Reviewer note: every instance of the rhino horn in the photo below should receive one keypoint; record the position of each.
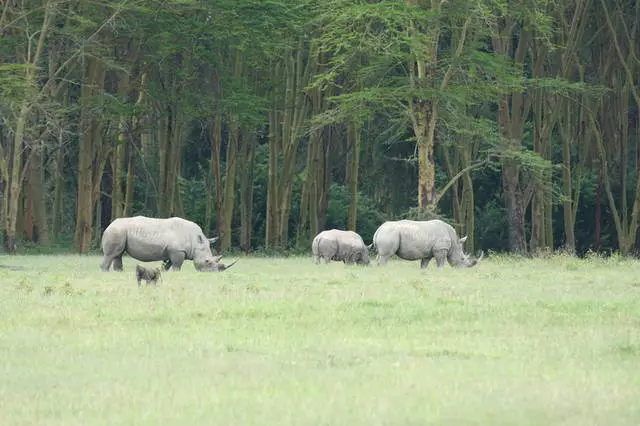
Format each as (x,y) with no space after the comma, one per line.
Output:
(480,257)
(463,239)
(222,266)
(216,259)
(369,246)
(213,240)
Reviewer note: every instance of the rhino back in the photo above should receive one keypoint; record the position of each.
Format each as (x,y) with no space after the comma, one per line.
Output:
(342,244)
(419,239)
(148,238)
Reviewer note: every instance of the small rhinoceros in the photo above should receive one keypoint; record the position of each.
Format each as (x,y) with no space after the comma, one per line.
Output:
(172,240)
(336,244)
(413,240)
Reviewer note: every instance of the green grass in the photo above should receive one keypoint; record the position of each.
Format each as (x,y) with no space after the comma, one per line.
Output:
(551,341)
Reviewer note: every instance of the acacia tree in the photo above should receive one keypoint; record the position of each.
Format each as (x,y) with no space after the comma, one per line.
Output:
(421,64)
(618,68)
(30,30)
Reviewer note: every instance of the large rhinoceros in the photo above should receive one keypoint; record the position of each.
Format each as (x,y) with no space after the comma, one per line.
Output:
(336,244)
(172,240)
(413,240)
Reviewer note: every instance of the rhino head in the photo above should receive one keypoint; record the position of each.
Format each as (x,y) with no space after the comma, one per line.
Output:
(365,256)
(459,258)
(203,258)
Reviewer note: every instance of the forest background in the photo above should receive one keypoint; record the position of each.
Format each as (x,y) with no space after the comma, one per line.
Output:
(267,121)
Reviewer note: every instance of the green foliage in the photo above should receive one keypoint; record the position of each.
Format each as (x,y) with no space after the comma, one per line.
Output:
(369,216)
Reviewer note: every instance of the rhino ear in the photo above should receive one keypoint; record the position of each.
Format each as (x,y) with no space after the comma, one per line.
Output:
(463,239)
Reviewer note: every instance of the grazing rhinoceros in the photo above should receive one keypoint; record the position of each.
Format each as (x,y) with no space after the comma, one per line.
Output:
(148,239)
(335,244)
(413,240)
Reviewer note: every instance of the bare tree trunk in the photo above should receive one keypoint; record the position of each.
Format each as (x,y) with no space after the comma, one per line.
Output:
(272,214)
(598,212)
(36,226)
(215,137)
(58,187)
(312,197)
(90,144)
(173,185)
(128,199)
(353,166)
(13,163)
(228,202)
(117,162)
(513,110)
(164,146)
(246,190)
(289,111)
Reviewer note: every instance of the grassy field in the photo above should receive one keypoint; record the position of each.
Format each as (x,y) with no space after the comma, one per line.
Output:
(285,342)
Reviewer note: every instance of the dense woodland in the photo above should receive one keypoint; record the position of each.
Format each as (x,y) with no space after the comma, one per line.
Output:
(267,121)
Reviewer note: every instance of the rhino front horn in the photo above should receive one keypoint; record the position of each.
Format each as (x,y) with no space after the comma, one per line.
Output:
(480,257)
(213,240)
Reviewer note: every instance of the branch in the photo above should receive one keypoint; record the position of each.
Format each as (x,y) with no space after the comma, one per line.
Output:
(628,71)
(459,175)
(459,48)
(80,50)
(605,176)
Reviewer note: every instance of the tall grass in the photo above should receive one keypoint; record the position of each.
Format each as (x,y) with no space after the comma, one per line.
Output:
(288,342)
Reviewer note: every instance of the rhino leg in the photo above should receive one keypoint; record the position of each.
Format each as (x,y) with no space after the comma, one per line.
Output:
(106,263)
(382,260)
(425,262)
(316,259)
(441,257)
(177,258)
(117,263)
(108,260)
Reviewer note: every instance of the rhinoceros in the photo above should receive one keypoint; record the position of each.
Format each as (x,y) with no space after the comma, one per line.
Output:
(336,244)
(413,240)
(172,240)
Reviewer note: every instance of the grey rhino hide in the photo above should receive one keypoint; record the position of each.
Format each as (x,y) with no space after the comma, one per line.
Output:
(422,240)
(339,245)
(172,241)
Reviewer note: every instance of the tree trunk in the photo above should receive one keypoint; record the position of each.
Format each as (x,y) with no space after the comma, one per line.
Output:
(128,199)
(36,227)
(164,146)
(175,170)
(570,238)
(229,199)
(598,212)
(515,206)
(290,109)
(13,163)
(246,190)
(90,143)
(513,110)
(58,172)
(117,162)
(215,138)
(353,166)
(313,196)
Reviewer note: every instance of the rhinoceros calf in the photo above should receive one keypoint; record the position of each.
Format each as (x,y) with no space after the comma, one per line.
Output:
(335,244)
(146,239)
(424,240)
